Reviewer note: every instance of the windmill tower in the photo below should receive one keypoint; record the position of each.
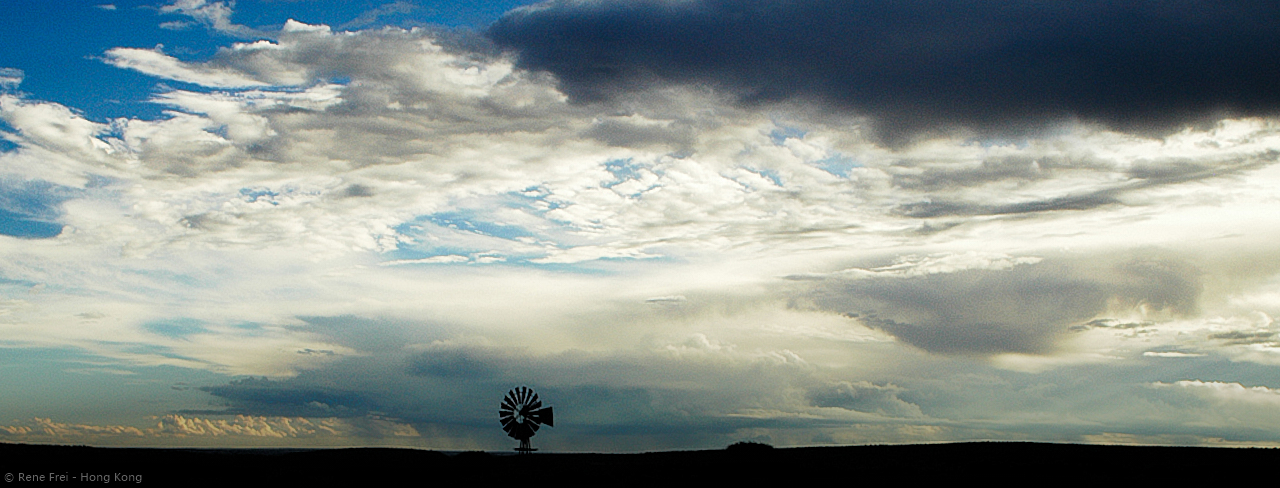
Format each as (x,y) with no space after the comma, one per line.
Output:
(521,413)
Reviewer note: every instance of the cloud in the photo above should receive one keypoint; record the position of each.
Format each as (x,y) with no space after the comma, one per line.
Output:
(215,15)
(1027,168)
(176,25)
(911,265)
(452,384)
(10,78)
(266,397)
(864,397)
(1236,337)
(443,361)
(371,16)
(381,155)
(32,208)
(1226,392)
(675,299)
(1224,409)
(1025,308)
(156,63)
(404,224)
(1012,67)
(453,152)
(1171,354)
(1146,175)
(175,427)
(445,259)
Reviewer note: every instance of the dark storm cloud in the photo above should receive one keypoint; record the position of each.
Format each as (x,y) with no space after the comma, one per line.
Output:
(1025,309)
(1010,67)
(472,401)
(256,396)
(458,363)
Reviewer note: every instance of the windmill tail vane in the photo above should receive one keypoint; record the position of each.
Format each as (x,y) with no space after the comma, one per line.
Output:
(522,414)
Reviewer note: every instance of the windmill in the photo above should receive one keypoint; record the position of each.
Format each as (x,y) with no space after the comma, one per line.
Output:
(521,414)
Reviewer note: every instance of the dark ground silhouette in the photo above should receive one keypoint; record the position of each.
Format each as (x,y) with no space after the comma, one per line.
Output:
(990,462)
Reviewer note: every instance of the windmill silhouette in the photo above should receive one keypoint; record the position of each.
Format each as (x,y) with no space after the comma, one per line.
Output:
(521,413)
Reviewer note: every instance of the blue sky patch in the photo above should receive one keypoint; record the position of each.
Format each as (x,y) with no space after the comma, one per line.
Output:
(533,199)
(5,144)
(469,221)
(625,170)
(768,173)
(839,165)
(57,381)
(153,349)
(622,170)
(30,208)
(428,252)
(16,225)
(175,328)
(259,194)
(34,198)
(780,134)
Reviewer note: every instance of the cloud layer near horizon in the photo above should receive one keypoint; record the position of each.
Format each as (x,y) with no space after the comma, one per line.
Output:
(391,225)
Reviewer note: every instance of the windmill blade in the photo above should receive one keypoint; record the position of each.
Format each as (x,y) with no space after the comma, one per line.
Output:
(513,429)
(543,416)
(521,431)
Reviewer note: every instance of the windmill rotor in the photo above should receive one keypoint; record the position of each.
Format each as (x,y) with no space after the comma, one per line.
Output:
(522,414)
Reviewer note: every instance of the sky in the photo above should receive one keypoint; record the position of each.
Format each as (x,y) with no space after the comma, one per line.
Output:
(684,223)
